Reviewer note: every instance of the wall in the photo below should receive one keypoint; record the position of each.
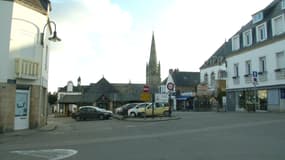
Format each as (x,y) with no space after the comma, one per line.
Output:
(269,52)
(5,16)
(7,106)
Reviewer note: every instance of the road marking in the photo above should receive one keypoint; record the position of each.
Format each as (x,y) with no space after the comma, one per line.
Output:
(49,154)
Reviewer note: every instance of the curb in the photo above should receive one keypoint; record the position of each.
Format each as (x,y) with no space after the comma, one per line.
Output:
(148,119)
(48,128)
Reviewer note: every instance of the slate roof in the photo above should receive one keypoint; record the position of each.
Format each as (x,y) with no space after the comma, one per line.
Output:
(113,92)
(185,78)
(70,99)
(37,5)
(219,57)
(269,12)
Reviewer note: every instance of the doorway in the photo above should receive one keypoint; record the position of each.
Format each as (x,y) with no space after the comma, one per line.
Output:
(22,107)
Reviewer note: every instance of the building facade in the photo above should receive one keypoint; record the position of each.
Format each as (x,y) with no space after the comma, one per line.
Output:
(153,78)
(254,61)
(23,64)
(256,66)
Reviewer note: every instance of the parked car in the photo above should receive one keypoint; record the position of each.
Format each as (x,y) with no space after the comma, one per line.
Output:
(91,112)
(123,110)
(159,109)
(133,112)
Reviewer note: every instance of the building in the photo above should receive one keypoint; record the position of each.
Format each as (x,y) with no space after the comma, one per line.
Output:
(256,66)
(182,86)
(102,94)
(253,59)
(24,60)
(153,79)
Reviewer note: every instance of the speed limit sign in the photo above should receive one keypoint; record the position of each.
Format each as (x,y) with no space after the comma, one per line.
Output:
(170,86)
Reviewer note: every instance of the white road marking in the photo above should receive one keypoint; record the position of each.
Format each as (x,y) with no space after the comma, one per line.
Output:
(49,154)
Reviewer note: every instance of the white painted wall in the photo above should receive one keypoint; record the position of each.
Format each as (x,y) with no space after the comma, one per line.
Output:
(269,52)
(5,18)
(213,69)
(22,28)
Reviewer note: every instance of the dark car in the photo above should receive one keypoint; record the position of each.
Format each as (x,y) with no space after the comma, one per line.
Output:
(91,112)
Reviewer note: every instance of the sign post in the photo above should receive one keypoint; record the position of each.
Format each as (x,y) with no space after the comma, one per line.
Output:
(254,81)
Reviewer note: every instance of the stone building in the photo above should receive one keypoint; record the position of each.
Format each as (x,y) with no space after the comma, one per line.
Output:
(24,59)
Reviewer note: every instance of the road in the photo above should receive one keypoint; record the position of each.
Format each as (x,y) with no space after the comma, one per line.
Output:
(197,136)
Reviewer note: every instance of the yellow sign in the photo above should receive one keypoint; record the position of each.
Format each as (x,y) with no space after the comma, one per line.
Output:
(145,96)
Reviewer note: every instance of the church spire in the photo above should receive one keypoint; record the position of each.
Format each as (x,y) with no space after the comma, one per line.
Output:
(152,58)
(153,69)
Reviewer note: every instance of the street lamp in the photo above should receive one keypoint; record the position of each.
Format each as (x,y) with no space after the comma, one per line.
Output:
(54,37)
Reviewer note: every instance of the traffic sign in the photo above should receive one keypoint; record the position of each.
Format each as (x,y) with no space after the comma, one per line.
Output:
(145,96)
(254,74)
(146,88)
(170,86)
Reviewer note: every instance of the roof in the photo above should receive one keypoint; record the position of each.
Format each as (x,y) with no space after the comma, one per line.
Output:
(185,78)
(70,99)
(270,11)
(218,57)
(113,92)
(37,5)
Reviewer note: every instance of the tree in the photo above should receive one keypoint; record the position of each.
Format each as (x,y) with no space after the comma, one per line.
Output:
(52,98)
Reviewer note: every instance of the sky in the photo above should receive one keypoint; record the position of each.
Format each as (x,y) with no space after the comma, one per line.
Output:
(112,38)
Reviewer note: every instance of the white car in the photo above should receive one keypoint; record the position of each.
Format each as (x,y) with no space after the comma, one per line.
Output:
(133,112)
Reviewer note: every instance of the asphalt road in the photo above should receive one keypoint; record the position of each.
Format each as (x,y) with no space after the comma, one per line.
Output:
(197,136)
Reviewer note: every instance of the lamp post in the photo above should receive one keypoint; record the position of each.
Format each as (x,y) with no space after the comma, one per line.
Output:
(54,37)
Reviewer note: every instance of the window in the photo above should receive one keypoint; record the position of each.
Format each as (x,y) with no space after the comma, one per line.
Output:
(235,43)
(247,38)
(257,17)
(248,67)
(280,60)
(261,33)
(213,79)
(262,64)
(278,25)
(206,78)
(236,71)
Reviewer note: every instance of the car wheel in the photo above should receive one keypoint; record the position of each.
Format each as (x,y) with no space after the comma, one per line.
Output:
(78,118)
(166,113)
(133,114)
(142,114)
(101,117)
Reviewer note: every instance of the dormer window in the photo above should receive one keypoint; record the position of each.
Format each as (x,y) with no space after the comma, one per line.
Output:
(278,25)
(283,4)
(257,17)
(261,32)
(247,38)
(235,43)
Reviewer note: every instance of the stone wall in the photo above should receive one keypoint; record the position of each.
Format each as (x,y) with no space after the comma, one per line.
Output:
(7,106)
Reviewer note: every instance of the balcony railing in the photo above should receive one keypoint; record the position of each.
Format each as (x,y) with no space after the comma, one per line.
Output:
(280,73)
(26,69)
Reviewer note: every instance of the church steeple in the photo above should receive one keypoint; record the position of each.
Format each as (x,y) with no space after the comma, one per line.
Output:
(153,68)
(152,58)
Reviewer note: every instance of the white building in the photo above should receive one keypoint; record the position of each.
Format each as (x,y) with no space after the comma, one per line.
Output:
(24,60)
(254,63)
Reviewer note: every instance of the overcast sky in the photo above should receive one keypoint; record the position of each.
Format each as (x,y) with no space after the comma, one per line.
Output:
(112,38)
